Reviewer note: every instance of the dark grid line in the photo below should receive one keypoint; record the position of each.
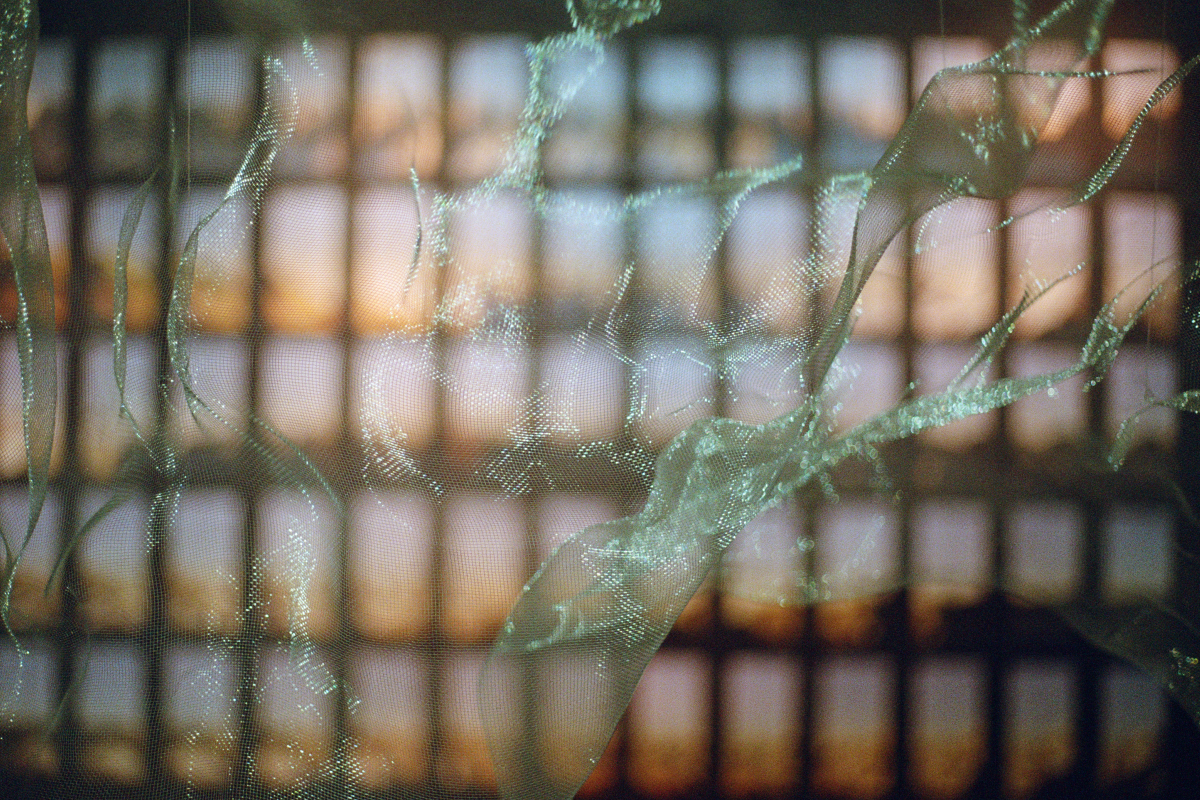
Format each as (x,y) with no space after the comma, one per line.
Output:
(161,482)
(439,648)
(344,629)
(248,738)
(66,733)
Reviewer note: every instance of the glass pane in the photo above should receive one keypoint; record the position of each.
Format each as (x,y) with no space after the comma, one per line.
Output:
(111,699)
(948,734)
(393,397)
(216,83)
(868,379)
(861,92)
(220,300)
(673,387)
(201,714)
(388,291)
(112,563)
(560,516)
(955,270)
(297,550)
(204,562)
(763,570)
(48,104)
(1045,551)
(583,244)
(1142,236)
(1139,552)
(295,715)
(936,366)
(125,102)
(390,549)
(489,264)
(668,720)
(105,214)
(769,96)
(467,763)
(1043,246)
(583,396)
(589,140)
(1143,64)
(676,89)
(31,605)
(390,719)
(485,564)
(488,79)
(766,247)
(317,146)
(219,370)
(761,724)
(304,254)
(1138,374)
(931,54)
(1133,714)
(1056,416)
(28,712)
(107,440)
(487,386)
(951,545)
(398,109)
(1040,744)
(853,737)
(302,367)
(857,551)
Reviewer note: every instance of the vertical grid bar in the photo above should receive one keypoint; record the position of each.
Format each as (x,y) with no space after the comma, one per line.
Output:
(437,640)
(994,608)
(718,636)
(153,636)
(344,638)
(627,500)
(530,681)
(995,615)
(66,734)
(900,614)
(244,783)
(1089,665)
(815,171)
(995,611)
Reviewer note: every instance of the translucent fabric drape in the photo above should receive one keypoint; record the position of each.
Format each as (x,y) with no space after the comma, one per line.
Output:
(565,663)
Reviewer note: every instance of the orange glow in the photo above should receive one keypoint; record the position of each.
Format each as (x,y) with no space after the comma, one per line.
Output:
(1146,64)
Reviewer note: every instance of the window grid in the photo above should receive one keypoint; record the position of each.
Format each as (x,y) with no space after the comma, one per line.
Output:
(718,641)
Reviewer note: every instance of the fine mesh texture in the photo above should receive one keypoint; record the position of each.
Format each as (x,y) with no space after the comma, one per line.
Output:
(462,315)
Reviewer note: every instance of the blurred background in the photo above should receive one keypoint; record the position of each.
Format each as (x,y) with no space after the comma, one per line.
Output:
(944,689)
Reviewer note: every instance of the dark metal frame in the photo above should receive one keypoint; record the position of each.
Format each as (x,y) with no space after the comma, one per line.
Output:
(998,474)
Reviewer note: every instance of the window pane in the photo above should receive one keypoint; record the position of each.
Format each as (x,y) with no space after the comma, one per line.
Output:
(397,107)
(853,737)
(390,549)
(1040,745)
(862,93)
(668,719)
(762,726)
(676,89)
(124,106)
(488,79)
(948,735)
(216,82)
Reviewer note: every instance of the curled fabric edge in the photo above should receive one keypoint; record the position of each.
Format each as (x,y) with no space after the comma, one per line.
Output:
(598,610)
(604,602)
(24,231)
